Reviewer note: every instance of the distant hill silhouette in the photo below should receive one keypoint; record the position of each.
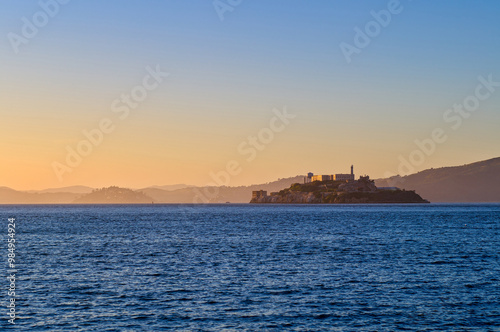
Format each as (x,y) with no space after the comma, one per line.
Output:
(477,182)
(72,189)
(114,195)
(158,194)
(241,194)
(11,196)
(170,187)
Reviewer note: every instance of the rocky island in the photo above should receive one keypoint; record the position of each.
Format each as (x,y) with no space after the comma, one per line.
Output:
(360,191)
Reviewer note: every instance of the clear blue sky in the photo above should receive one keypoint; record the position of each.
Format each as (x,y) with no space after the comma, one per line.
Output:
(226,77)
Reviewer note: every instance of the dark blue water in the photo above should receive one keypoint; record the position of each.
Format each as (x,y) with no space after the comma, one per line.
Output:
(246,267)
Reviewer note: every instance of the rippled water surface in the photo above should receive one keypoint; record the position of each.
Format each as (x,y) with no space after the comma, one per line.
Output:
(248,267)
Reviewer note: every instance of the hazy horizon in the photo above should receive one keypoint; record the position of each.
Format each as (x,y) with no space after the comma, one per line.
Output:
(214,182)
(157,93)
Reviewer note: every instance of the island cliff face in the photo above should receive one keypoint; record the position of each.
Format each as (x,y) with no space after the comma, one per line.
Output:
(338,192)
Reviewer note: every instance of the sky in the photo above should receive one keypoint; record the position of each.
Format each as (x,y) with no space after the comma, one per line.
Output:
(143,93)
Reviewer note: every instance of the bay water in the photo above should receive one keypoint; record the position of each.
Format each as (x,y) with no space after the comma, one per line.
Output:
(254,267)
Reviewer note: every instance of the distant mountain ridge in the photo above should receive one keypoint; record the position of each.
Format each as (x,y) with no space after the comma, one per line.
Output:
(185,194)
(170,187)
(71,189)
(114,195)
(241,194)
(476,182)
(11,196)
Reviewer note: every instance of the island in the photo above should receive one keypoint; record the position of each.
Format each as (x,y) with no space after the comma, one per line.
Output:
(331,191)
(114,195)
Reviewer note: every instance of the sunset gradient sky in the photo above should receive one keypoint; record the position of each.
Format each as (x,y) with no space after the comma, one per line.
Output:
(225,79)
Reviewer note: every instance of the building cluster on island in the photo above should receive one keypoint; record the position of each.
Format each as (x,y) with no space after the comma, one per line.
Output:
(364,184)
(334,177)
(337,188)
